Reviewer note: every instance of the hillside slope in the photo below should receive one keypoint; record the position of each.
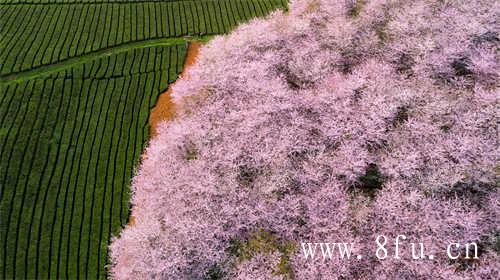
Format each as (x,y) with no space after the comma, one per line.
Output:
(78,79)
(337,122)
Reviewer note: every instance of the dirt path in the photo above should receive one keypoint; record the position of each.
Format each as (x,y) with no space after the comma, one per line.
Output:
(165,107)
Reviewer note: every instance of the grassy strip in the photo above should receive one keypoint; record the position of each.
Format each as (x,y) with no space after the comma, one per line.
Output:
(44,71)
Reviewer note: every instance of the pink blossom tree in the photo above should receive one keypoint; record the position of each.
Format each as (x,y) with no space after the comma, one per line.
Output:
(336,122)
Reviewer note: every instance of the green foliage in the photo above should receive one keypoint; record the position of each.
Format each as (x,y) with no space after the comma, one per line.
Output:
(265,242)
(214,273)
(355,8)
(190,150)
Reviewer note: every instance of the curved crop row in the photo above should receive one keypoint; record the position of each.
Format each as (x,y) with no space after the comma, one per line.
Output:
(42,2)
(36,35)
(69,143)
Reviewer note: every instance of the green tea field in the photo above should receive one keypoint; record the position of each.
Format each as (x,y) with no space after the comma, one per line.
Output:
(78,80)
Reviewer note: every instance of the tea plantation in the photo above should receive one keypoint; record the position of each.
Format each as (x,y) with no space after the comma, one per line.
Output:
(78,80)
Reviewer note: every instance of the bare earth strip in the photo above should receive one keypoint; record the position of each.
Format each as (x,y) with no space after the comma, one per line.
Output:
(165,108)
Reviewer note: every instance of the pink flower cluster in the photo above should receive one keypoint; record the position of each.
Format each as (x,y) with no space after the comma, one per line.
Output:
(337,121)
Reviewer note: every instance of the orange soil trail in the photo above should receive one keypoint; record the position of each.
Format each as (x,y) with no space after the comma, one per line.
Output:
(164,108)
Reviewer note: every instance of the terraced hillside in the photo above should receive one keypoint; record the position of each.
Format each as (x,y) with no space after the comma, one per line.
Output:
(70,142)
(77,82)
(38,33)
